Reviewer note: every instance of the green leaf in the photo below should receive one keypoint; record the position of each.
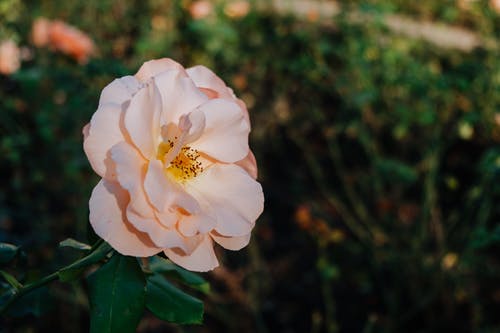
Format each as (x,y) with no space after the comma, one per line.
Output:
(70,242)
(158,264)
(117,295)
(11,280)
(73,271)
(169,303)
(7,252)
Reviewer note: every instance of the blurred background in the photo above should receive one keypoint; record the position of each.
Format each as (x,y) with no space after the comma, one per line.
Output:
(376,127)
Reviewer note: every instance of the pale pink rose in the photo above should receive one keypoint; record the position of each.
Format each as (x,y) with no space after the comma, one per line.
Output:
(40,32)
(466,4)
(237,9)
(200,9)
(171,146)
(495,5)
(10,56)
(71,41)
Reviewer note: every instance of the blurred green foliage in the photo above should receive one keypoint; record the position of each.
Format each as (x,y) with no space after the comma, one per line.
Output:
(379,156)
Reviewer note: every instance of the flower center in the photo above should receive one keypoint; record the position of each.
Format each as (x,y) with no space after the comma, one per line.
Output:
(182,167)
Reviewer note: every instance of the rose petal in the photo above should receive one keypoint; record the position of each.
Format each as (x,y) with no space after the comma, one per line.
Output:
(197,119)
(214,87)
(226,131)
(131,170)
(142,120)
(179,95)
(201,223)
(104,132)
(249,164)
(188,225)
(242,105)
(211,94)
(231,243)
(167,219)
(202,259)
(236,198)
(205,78)
(164,193)
(119,91)
(155,67)
(107,204)
(159,235)
(86,131)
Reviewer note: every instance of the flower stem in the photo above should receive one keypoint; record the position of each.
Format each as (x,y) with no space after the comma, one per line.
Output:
(27,288)
(47,279)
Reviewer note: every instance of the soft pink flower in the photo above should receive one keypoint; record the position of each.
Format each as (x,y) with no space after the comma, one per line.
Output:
(237,9)
(200,9)
(63,38)
(71,41)
(171,146)
(9,57)
(495,5)
(40,32)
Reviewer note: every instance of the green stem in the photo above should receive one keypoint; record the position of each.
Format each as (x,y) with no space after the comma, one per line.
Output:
(47,279)
(27,288)
(431,216)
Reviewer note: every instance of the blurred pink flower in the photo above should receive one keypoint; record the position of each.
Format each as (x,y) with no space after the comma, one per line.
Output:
(237,9)
(495,5)
(9,57)
(63,38)
(40,32)
(71,41)
(466,4)
(200,9)
(171,146)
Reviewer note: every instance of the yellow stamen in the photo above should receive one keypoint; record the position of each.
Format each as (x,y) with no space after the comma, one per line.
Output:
(185,165)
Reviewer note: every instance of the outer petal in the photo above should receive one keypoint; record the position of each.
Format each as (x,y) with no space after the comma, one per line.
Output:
(205,78)
(214,87)
(179,95)
(107,204)
(201,223)
(231,243)
(119,91)
(191,225)
(234,196)
(249,164)
(155,67)
(202,259)
(160,235)
(86,131)
(167,219)
(142,120)
(131,168)
(104,132)
(226,131)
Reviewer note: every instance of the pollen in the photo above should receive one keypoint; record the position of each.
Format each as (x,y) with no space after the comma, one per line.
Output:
(185,165)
